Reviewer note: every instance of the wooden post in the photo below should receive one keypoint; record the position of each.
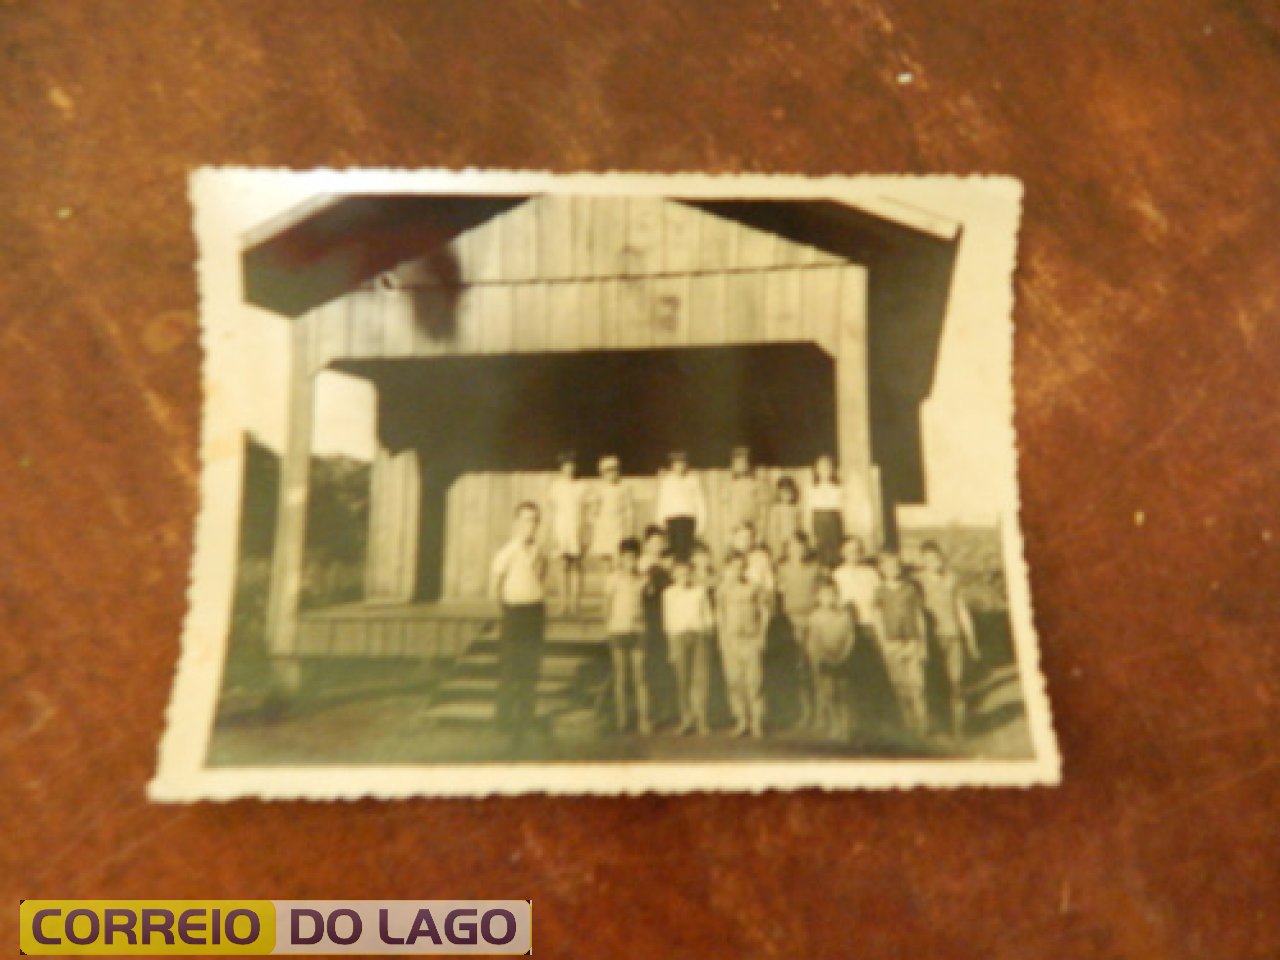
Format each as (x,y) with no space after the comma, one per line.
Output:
(291,516)
(878,532)
(853,426)
(391,560)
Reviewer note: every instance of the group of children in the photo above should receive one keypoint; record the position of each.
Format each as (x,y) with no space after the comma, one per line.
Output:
(693,610)
(591,520)
(789,563)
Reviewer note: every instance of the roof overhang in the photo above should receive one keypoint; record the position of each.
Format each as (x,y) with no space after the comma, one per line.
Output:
(332,246)
(516,411)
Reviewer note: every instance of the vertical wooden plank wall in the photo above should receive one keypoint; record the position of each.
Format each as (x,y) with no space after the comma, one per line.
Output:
(575,273)
(394,502)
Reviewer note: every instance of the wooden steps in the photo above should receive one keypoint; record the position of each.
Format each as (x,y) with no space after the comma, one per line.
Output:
(572,675)
(462,636)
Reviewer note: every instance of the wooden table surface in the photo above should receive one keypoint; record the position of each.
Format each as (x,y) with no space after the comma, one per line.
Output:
(1148,295)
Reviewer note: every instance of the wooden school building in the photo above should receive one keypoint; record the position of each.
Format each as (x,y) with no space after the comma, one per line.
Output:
(500,330)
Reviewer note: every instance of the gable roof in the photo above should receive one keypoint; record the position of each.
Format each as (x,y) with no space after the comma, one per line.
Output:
(330,247)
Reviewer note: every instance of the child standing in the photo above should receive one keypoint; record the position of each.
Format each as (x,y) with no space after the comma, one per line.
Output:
(798,577)
(952,625)
(742,539)
(516,583)
(746,498)
(759,560)
(831,641)
(565,515)
(655,566)
(686,615)
(743,610)
(704,569)
(824,509)
(680,506)
(902,637)
(857,583)
(624,627)
(784,516)
(760,570)
(613,510)
(705,575)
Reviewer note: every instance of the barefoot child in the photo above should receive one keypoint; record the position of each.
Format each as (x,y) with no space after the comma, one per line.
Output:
(831,642)
(686,615)
(952,625)
(564,510)
(900,606)
(798,577)
(624,627)
(743,610)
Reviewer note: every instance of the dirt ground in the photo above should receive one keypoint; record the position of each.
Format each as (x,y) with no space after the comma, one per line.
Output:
(387,724)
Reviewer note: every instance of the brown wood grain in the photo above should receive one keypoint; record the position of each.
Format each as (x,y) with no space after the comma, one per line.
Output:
(1148,291)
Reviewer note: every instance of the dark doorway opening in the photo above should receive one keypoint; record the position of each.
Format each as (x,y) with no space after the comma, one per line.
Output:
(516,412)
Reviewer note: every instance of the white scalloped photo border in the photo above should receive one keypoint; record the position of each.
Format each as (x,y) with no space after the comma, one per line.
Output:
(181,774)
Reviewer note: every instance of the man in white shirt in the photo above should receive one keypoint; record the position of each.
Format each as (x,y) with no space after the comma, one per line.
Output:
(516,583)
(681,507)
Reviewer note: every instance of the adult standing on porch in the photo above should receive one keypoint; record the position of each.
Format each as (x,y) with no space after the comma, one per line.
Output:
(516,583)
(681,507)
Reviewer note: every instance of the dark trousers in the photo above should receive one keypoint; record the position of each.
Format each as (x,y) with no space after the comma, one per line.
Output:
(828,535)
(681,532)
(519,661)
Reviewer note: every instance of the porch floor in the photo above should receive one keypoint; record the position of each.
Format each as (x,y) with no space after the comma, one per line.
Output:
(446,609)
(439,630)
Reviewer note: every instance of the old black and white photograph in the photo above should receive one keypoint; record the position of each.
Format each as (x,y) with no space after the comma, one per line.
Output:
(609,483)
